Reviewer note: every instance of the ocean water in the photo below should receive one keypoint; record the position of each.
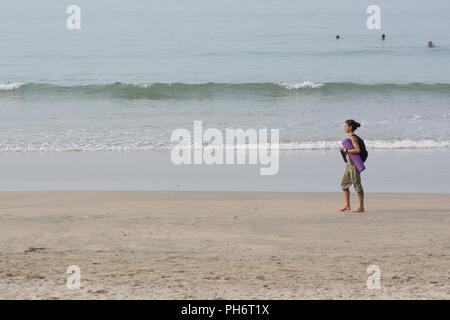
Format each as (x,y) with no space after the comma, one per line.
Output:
(139,69)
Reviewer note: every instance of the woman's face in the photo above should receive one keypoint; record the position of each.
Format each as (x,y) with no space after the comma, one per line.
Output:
(347,128)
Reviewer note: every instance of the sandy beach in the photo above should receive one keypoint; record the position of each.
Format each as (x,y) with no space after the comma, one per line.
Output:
(222,245)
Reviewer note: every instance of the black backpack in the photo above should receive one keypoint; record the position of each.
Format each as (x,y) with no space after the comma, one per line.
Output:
(363,153)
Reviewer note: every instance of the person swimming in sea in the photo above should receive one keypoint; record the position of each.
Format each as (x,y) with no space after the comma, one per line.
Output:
(430,44)
(351,175)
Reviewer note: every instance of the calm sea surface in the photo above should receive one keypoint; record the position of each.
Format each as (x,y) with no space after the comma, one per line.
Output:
(137,70)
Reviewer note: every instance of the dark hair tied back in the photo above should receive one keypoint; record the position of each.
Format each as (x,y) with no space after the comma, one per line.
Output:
(352,123)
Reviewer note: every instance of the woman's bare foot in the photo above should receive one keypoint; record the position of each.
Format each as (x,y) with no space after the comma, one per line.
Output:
(346,208)
(358,210)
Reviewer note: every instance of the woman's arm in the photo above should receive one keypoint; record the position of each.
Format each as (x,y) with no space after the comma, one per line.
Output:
(355,146)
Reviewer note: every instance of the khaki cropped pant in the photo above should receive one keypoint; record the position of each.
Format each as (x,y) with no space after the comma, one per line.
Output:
(351,177)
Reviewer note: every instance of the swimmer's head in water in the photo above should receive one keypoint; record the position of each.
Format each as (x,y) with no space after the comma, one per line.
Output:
(351,125)
(430,44)
(337,37)
(383,36)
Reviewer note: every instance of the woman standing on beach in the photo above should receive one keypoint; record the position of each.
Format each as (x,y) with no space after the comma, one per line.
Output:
(351,174)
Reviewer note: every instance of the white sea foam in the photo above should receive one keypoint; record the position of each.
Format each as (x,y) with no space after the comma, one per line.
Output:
(407,143)
(143,85)
(153,146)
(301,85)
(10,86)
(370,144)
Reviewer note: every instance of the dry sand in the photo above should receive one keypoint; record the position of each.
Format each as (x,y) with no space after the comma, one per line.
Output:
(222,245)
